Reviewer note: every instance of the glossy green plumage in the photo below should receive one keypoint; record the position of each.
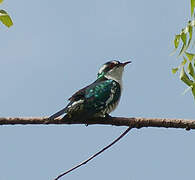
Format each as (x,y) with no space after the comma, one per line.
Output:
(99,97)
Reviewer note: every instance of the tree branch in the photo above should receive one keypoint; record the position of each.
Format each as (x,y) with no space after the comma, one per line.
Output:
(117,121)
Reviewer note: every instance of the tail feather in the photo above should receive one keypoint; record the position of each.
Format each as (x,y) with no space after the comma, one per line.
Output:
(59,113)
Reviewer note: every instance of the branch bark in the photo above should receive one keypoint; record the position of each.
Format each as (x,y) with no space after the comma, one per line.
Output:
(133,122)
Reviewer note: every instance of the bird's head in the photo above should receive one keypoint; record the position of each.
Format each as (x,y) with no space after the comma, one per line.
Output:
(112,70)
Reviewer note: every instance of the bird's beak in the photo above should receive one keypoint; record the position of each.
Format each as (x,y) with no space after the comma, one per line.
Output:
(125,63)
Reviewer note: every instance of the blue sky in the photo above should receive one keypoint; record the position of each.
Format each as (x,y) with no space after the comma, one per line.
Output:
(54,49)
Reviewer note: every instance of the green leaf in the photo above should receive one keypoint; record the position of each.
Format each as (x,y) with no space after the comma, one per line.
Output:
(190,56)
(174,70)
(182,49)
(190,30)
(184,77)
(184,39)
(192,7)
(193,90)
(184,61)
(191,70)
(184,36)
(177,40)
(1,1)
(5,18)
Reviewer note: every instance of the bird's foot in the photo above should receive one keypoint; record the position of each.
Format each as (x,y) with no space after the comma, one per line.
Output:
(107,116)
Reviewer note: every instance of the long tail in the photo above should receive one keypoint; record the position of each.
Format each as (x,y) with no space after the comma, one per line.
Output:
(59,113)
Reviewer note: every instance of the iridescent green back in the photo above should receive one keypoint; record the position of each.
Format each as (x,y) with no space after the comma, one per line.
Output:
(101,95)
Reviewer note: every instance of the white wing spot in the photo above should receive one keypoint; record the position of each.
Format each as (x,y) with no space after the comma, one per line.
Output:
(75,106)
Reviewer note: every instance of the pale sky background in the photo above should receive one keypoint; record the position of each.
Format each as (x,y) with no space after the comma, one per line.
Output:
(57,47)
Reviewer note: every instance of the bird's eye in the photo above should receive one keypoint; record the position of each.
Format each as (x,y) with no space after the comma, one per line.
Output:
(112,65)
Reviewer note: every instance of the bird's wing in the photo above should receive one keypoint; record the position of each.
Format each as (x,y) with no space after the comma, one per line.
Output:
(59,113)
(95,97)
(101,94)
(79,94)
(75,97)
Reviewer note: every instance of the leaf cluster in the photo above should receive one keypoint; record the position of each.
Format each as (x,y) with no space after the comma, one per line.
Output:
(5,18)
(187,66)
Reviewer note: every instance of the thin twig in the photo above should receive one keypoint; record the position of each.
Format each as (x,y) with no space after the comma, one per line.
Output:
(93,156)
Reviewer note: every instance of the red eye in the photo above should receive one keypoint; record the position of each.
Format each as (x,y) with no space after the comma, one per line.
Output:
(111,65)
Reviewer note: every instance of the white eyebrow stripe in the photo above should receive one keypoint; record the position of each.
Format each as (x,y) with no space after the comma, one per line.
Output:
(102,68)
(115,62)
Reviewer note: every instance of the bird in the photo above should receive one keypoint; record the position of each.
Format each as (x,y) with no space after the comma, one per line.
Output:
(99,98)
